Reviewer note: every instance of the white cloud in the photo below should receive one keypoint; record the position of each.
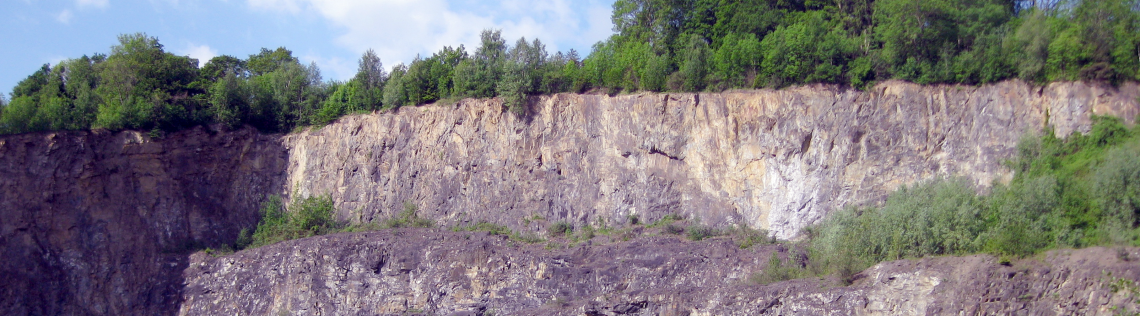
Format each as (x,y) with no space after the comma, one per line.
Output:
(201,52)
(283,5)
(398,30)
(92,3)
(64,17)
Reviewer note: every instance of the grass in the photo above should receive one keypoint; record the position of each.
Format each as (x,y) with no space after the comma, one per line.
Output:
(495,229)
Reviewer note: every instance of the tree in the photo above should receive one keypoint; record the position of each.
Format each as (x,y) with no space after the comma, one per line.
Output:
(736,60)
(521,73)
(18,116)
(694,64)
(1031,45)
(81,80)
(269,60)
(370,76)
(228,103)
(143,87)
(221,66)
(479,77)
(394,92)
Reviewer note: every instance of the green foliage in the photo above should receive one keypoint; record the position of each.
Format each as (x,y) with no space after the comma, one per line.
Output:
(370,76)
(1074,192)
(494,229)
(735,62)
(681,45)
(479,76)
(698,232)
(747,237)
(520,75)
(307,217)
(561,228)
(409,217)
(141,86)
(693,64)
(778,270)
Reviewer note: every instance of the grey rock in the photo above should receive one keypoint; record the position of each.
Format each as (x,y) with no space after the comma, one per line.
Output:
(778,160)
(478,274)
(101,223)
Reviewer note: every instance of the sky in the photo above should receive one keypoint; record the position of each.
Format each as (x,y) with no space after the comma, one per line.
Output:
(332,33)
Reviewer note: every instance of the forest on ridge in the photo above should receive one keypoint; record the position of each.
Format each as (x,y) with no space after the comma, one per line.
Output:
(659,45)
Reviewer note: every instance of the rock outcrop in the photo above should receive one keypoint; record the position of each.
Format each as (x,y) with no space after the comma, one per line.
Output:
(426,272)
(94,223)
(778,160)
(101,223)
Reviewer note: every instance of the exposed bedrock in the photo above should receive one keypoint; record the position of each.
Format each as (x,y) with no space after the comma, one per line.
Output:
(778,160)
(94,223)
(425,272)
(100,223)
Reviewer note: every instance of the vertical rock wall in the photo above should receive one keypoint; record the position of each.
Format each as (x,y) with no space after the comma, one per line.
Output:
(779,160)
(100,223)
(94,223)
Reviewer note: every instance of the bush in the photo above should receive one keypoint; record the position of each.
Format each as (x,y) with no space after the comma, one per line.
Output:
(561,228)
(409,217)
(747,237)
(308,217)
(698,232)
(495,229)
(777,270)
(1072,192)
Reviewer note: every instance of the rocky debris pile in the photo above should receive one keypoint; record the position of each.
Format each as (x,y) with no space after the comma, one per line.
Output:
(433,272)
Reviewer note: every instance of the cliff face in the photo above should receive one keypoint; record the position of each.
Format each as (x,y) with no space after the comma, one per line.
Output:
(425,272)
(100,223)
(778,160)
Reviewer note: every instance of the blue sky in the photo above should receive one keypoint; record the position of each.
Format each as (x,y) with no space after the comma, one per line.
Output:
(332,33)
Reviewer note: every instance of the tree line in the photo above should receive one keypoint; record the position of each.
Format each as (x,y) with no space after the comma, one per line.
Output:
(659,45)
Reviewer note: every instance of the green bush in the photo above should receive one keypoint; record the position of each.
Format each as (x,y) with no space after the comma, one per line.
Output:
(747,237)
(561,228)
(409,217)
(307,217)
(698,232)
(778,270)
(1074,192)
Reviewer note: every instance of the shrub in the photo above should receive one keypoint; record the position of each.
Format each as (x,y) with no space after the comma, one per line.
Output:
(697,232)
(777,270)
(588,232)
(308,217)
(495,229)
(1074,192)
(673,229)
(409,217)
(561,228)
(746,237)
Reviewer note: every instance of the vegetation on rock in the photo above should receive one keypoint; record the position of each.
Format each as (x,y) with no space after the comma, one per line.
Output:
(1079,191)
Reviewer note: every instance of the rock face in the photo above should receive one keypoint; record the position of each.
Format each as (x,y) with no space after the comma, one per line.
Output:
(778,160)
(101,223)
(444,273)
